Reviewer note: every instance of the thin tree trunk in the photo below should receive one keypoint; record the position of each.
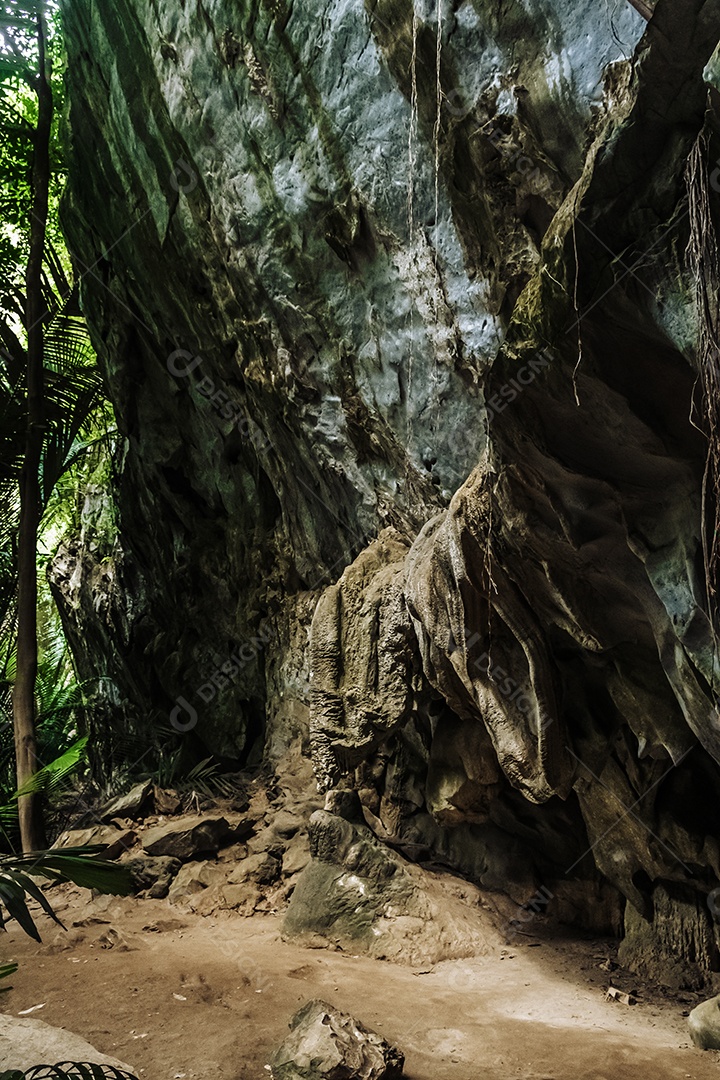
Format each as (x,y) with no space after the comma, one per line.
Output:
(32,831)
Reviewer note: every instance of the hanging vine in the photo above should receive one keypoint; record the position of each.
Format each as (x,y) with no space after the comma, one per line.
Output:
(703,260)
(412,160)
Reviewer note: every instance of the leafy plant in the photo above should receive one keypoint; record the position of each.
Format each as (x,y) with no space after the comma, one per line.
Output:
(52,408)
(44,781)
(204,778)
(6,970)
(68,864)
(68,1070)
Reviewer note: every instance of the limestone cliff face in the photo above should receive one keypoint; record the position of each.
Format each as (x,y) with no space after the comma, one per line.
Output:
(393,308)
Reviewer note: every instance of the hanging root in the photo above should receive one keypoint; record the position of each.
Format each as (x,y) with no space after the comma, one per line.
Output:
(702,256)
(412,157)
(434,396)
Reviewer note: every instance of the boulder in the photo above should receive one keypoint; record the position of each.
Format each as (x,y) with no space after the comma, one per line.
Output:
(357,894)
(193,878)
(704,1024)
(25,1042)
(186,838)
(261,868)
(153,874)
(116,841)
(326,1044)
(134,804)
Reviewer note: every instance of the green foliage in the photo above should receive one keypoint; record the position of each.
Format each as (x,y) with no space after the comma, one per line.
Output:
(79,425)
(67,864)
(203,778)
(6,970)
(18,115)
(61,711)
(68,1070)
(48,778)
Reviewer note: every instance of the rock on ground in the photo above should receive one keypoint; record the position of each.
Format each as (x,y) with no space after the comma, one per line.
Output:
(133,804)
(25,1042)
(326,1044)
(116,841)
(186,838)
(357,894)
(154,874)
(704,1024)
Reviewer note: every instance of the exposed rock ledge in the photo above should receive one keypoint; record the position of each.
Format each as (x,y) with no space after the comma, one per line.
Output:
(518,677)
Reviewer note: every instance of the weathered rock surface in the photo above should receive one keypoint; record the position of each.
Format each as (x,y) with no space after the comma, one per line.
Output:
(356,893)
(25,1042)
(409,388)
(186,838)
(326,1044)
(193,878)
(166,802)
(116,841)
(704,1024)
(153,874)
(133,804)
(361,656)
(261,868)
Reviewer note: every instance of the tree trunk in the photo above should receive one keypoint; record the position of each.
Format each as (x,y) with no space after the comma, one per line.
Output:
(31,824)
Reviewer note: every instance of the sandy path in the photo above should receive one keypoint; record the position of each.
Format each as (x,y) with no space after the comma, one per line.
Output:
(210,998)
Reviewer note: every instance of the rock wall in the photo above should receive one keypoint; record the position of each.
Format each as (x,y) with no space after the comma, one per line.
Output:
(394,309)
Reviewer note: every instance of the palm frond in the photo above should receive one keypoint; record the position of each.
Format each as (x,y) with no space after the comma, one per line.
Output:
(50,776)
(69,1070)
(78,865)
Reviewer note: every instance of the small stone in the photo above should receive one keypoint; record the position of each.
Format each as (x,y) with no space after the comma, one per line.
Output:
(704,1024)
(193,878)
(167,802)
(245,897)
(207,901)
(286,824)
(325,1044)
(614,994)
(266,840)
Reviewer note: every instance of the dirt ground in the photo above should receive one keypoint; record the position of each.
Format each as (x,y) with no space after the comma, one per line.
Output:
(182,997)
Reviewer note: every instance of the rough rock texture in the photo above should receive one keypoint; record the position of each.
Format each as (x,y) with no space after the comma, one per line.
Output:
(116,841)
(417,341)
(358,894)
(704,1024)
(135,804)
(25,1043)
(153,874)
(361,657)
(325,1044)
(186,838)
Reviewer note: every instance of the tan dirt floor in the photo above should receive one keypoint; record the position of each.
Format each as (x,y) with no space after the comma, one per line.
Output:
(182,997)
